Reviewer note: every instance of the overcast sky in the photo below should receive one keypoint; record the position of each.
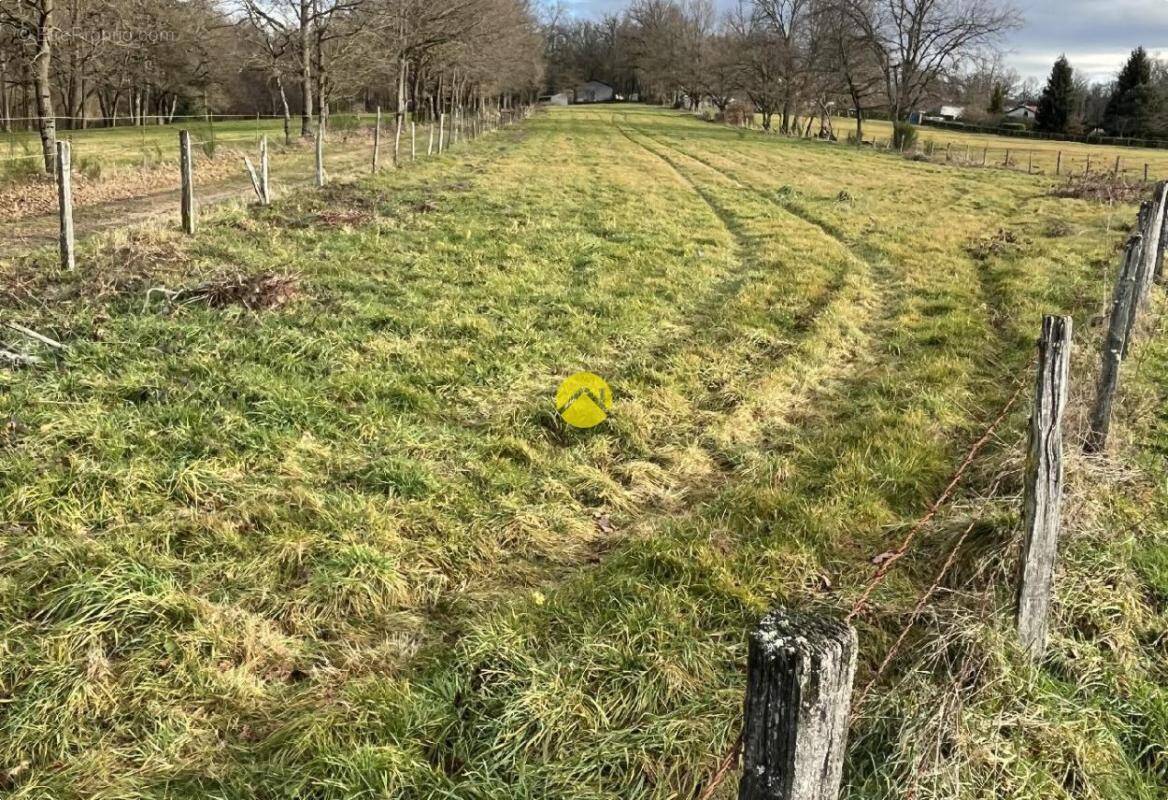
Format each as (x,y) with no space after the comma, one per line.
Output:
(1096,35)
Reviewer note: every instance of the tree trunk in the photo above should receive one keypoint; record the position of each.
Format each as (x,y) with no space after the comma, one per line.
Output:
(305,70)
(42,77)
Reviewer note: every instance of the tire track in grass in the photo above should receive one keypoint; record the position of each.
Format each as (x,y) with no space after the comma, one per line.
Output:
(991,294)
(838,333)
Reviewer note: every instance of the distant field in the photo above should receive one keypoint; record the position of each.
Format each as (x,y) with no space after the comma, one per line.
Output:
(339,546)
(147,144)
(1036,154)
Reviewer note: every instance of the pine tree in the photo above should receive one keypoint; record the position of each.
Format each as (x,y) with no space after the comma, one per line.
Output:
(1058,98)
(997,99)
(1134,102)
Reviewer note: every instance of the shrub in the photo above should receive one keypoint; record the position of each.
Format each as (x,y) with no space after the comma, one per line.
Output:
(738,113)
(904,135)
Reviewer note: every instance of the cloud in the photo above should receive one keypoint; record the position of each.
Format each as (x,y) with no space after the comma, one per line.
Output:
(1095,35)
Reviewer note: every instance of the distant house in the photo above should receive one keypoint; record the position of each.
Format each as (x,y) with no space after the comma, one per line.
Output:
(557,99)
(594,92)
(1025,111)
(937,114)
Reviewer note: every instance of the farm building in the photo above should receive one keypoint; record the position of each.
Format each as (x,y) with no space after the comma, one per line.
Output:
(594,92)
(557,99)
(1025,111)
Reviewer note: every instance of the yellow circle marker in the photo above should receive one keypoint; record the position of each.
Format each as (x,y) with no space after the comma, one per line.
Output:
(583,400)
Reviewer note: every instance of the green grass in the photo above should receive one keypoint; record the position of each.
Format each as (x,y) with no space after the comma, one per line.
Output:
(345,549)
(1040,156)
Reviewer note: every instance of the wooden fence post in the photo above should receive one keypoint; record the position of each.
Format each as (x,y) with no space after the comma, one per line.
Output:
(1058,163)
(1030,164)
(377,140)
(1117,161)
(397,140)
(441,130)
(65,203)
(413,141)
(985,154)
(1123,309)
(320,176)
(1145,172)
(1152,229)
(255,179)
(186,170)
(265,184)
(430,142)
(1087,169)
(1006,163)
(1043,490)
(798,693)
(1158,268)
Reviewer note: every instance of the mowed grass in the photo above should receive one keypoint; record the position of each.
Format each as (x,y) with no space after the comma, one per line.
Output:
(344,548)
(1024,152)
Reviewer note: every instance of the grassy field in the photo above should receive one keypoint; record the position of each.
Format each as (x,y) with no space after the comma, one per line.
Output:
(343,547)
(147,145)
(1040,156)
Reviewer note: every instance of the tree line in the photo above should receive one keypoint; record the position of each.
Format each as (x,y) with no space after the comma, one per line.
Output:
(83,63)
(1134,105)
(791,61)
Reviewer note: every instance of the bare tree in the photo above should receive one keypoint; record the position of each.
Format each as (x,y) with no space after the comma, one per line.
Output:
(916,41)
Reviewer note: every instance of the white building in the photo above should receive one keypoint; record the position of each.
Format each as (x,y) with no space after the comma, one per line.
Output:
(594,92)
(559,99)
(1026,111)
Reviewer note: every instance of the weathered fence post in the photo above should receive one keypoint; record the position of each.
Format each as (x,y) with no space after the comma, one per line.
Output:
(1006,162)
(265,185)
(65,202)
(441,130)
(1030,164)
(320,176)
(1043,490)
(1058,163)
(798,693)
(1158,268)
(413,141)
(377,140)
(1087,169)
(1152,229)
(186,170)
(985,154)
(1117,162)
(397,140)
(430,142)
(1123,309)
(255,179)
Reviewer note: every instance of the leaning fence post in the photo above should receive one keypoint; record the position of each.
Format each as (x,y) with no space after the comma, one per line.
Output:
(1058,163)
(320,176)
(255,179)
(1043,490)
(377,140)
(65,203)
(186,170)
(1152,230)
(265,186)
(799,677)
(1158,267)
(1123,307)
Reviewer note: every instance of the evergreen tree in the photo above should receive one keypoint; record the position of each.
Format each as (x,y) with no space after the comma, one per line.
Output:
(1058,98)
(1133,104)
(997,99)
